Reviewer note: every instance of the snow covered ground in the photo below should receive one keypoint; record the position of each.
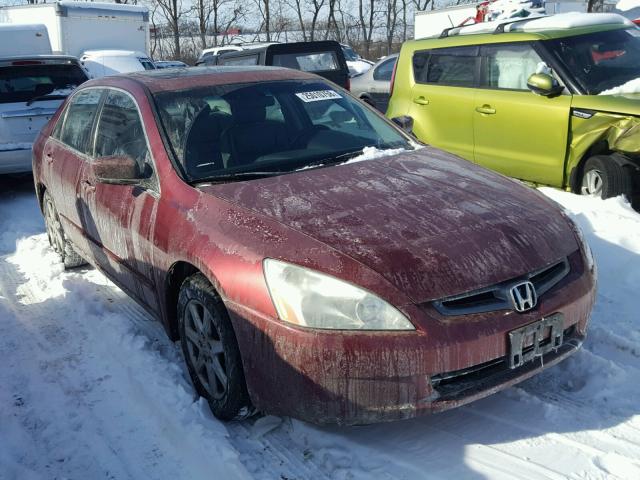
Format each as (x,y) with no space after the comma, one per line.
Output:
(91,388)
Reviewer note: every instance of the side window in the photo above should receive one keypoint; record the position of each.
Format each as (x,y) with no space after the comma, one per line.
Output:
(78,120)
(244,60)
(120,131)
(384,71)
(455,66)
(509,66)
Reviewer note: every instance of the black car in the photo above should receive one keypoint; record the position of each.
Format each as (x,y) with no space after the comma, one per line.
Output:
(324,58)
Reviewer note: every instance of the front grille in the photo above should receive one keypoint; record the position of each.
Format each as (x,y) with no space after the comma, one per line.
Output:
(496,297)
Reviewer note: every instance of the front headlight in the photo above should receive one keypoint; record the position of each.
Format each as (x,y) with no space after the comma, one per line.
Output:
(311,299)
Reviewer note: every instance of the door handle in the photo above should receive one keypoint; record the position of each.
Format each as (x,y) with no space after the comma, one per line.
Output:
(421,100)
(486,109)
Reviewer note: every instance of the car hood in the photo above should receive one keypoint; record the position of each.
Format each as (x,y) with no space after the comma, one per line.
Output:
(622,103)
(431,224)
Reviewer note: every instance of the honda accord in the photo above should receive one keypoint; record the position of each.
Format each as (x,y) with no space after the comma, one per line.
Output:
(311,257)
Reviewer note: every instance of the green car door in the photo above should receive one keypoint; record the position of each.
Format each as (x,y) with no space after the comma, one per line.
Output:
(517,132)
(442,97)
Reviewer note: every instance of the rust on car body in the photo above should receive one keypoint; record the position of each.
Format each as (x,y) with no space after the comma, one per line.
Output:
(411,228)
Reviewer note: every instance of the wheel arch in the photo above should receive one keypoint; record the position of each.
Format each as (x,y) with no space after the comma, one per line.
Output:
(176,275)
(40,189)
(575,178)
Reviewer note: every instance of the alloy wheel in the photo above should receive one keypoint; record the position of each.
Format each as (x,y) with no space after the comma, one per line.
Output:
(592,183)
(206,352)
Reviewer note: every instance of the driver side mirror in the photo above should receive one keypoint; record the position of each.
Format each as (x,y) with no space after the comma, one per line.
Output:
(544,84)
(117,170)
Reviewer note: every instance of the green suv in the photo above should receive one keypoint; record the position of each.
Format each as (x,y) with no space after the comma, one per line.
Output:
(547,100)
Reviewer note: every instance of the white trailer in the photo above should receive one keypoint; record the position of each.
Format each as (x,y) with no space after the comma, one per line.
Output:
(75,27)
(431,23)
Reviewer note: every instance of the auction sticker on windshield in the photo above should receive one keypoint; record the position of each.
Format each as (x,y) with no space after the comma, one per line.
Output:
(317,95)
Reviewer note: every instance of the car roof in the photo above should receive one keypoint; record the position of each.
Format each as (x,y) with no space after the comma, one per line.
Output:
(169,79)
(531,28)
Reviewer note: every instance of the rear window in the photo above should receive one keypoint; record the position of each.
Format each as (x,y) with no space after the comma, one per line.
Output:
(26,82)
(455,67)
(307,62)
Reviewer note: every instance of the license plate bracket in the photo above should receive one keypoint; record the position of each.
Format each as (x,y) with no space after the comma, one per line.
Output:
(535,340)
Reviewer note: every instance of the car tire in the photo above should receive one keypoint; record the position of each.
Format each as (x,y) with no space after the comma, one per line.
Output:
(603,177)
(57,238)
(210,349)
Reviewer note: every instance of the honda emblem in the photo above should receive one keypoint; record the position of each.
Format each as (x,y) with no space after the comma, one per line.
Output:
(523,296)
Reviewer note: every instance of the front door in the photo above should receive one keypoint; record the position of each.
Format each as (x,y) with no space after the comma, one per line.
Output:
(443,98)
(119,219)
(517,132)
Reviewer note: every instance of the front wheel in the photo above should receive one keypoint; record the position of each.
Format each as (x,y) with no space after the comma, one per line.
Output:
(57,238)
(210,349)
(605,178)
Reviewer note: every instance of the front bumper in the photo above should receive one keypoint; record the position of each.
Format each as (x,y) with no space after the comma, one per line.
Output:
(368,377)
(15,158)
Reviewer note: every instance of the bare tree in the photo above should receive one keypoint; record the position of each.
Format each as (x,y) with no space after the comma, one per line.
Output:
(296,5)
(367,15)
(392,22)
(315,7)
(265,13)
(223,14)
(173,11)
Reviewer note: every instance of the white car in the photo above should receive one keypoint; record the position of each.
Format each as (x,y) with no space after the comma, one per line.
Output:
(357,65)
(100,63)
(31,90)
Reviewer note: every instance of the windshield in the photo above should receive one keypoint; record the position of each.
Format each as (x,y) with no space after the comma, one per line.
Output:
(26,82)
(600,61)
(275,127)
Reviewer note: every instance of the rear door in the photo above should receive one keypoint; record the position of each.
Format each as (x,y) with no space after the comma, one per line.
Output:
(443,97)
(119,219)
(518,133)
(66,154)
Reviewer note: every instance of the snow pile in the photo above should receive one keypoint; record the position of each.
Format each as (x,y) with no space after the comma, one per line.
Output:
(632,86)
(371,153)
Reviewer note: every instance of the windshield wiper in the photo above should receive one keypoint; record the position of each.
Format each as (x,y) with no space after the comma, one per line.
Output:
(48,96)
(230,177)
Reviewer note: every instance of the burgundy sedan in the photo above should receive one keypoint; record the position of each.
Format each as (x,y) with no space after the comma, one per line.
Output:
(313,260)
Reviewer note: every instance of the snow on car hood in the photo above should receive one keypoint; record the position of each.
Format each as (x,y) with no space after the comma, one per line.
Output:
(433,225)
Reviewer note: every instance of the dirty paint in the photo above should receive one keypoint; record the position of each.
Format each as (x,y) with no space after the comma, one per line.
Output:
(410,228)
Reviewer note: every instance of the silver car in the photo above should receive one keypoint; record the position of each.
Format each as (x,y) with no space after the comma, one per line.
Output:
(373,85)
(31,90)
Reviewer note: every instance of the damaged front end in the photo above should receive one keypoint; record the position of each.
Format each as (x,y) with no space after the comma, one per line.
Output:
(603,132)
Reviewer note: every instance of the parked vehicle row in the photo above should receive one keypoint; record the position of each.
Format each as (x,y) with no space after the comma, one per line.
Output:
(237,206)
